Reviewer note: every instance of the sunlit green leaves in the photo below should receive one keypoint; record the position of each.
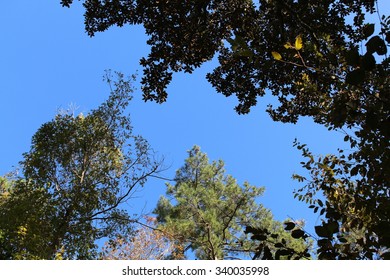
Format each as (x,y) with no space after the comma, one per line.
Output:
(78,172)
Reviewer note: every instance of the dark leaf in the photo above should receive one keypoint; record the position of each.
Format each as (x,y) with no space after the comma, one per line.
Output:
(388,37)
(321,231)
(284,252)
(354,171)
(368,62)
(324,243)
(289,225)
(363,171)
(259,237)
(246,52)
(252,230)
(386,256)
(352,57)
(368,30)
(259,251)
(325,256)
(267,254)
(356,77)
(333,227)
(298,233)
(279,245)
(376,44)
(343,240)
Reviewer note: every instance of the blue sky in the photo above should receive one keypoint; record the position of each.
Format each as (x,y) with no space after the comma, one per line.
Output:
(48,62)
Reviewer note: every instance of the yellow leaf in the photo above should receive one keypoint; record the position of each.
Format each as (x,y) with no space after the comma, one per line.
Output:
(277,55)
(298,43)
(288,45)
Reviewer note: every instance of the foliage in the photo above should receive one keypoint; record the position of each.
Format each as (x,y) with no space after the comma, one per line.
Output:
(185,34)
(321,59)
(147,243)
(356,210)
(77,174)
(279,245)
(210,211)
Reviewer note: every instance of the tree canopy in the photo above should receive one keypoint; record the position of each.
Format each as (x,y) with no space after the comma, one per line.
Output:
(323,59)
(208,212)
(77,174)
(326,60)
(244,34)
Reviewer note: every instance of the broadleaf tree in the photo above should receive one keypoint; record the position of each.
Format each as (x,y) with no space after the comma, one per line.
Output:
(208,212)
(74,182)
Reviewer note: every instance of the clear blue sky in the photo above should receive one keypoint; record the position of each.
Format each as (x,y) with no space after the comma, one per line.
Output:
(48,62)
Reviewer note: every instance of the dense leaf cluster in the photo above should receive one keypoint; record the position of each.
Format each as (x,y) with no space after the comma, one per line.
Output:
(185,34)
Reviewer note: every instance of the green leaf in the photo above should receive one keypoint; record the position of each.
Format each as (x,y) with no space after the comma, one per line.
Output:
(368,30)
(276,55)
